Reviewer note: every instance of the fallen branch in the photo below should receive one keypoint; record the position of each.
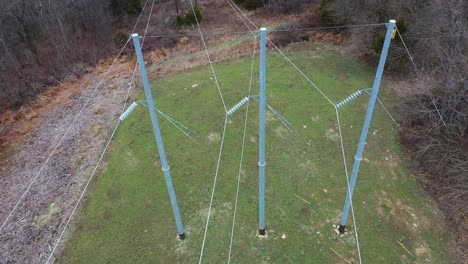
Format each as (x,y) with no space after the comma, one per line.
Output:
(338,254)
(304,200)
(403,246)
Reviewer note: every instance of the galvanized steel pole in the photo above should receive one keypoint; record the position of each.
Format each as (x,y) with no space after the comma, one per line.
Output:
(365,128)
(157,135)
(261,162)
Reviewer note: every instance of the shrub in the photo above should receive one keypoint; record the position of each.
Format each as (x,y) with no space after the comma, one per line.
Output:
(180,21)
(325,13)
(379,43)
(189,18)
(125,7)
(252,4)
(120,38)
(402,25)
(402,28)
(133,7)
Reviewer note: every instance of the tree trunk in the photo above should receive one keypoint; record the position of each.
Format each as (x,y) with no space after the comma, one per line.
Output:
(13,62)
(177,6)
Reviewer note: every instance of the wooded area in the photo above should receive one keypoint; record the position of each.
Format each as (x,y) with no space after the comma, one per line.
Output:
(43,42)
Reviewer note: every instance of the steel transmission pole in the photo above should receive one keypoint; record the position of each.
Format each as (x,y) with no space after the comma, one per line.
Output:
(157,135)
(261,161)
(365,127)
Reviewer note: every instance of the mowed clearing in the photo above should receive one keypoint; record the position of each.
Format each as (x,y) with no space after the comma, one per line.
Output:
(127,216)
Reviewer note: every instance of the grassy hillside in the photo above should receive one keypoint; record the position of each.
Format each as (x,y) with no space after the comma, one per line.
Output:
(128,219)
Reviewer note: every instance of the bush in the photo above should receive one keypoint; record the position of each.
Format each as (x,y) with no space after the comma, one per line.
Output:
(402,28)
(379,43)
(180,21)
(402,25)
(125,7)
(325,13)
(252,4)
(189,18)
(120,38)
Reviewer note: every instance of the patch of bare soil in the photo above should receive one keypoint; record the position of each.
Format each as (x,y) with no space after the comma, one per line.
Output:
(32,229)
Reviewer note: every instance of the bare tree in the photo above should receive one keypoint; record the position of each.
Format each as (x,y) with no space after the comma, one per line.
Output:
(43,39)
(177,6)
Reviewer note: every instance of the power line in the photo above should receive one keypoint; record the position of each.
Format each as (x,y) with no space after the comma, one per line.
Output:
(359,92)
(327,27)
(178,125)
(418,73)
(103,152)
(68,129)
(302,73)
(198,35)
(285,122)
(347,182)
(272,31)
(242,151)
(234,7)
(223,136)
(214,188)
(60,142)
(138,20)
(338,121)
(82,194)
(386,111)
(208,56)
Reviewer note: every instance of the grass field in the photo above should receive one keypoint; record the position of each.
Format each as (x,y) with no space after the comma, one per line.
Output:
(127,217)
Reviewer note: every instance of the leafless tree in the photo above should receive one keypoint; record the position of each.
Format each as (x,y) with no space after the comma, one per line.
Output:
(41,39)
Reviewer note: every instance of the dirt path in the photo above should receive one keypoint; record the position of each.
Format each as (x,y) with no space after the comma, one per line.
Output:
(32,228)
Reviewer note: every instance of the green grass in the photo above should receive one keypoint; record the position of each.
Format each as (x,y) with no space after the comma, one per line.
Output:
(128,219)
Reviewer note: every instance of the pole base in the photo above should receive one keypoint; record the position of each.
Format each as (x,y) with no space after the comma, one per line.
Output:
(262,232)
(341,230)
(182,236)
